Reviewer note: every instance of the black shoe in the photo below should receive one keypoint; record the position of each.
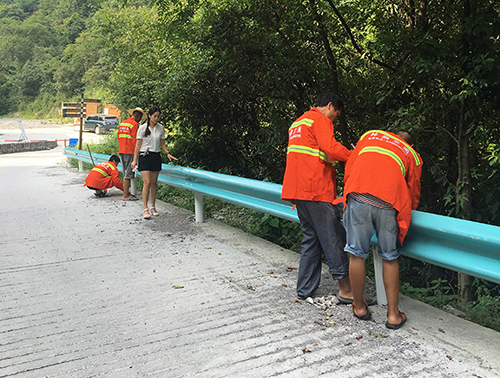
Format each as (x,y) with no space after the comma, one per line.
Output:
(101,194)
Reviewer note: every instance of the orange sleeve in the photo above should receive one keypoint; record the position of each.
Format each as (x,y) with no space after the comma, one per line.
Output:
(327,143)
(350,162)
(413,182)
(134,133)
(115,177)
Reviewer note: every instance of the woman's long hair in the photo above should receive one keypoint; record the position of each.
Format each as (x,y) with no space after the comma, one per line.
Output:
(151,111)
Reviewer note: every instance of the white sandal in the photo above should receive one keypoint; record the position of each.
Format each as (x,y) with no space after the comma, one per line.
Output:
(153,211)
(145,213)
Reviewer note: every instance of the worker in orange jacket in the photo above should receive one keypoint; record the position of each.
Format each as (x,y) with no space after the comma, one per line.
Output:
(127,133)
(309,183)
(103,176)
(382,187)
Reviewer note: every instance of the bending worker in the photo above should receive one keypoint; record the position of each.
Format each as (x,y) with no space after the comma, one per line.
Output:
(382,186)
(309,183)
(104,176)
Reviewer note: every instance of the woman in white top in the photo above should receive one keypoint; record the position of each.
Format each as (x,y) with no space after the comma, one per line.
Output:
(150,141)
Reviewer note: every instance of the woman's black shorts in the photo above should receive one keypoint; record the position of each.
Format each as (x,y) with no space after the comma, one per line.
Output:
(150,162)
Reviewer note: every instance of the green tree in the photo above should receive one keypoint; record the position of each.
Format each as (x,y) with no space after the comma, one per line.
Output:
(441,81)
(250,71)
(33,36)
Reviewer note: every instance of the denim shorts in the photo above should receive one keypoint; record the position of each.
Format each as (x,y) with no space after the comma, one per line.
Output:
(361,219)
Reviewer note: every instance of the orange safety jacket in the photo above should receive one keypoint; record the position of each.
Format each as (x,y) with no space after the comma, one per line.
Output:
(103,176)
(310,161)
(127,133)
(386,166)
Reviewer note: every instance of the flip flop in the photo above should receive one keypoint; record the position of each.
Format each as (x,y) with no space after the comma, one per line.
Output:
(131,199)
(366,316)
(145,213)
(343,300)
(397,326)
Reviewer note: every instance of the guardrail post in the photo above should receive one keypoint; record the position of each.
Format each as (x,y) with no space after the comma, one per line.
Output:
(133,186)
(198,207)
(379,278)
(80,165)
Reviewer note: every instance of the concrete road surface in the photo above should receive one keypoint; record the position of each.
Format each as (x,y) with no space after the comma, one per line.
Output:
(90,289)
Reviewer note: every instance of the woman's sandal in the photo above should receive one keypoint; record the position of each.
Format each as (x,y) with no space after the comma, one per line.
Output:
(366,316)
(153,211)
(145,213)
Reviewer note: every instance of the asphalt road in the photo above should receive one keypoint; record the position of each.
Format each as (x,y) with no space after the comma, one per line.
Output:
(90,289)
(42,130)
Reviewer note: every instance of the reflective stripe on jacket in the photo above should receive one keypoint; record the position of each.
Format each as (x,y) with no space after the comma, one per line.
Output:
(386,166)
(103,176)
(311,155)
(127,133)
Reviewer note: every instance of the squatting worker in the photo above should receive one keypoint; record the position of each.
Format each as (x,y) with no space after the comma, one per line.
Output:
(150,141)
(382,187)
(104,176)
(309,183)
(127,133)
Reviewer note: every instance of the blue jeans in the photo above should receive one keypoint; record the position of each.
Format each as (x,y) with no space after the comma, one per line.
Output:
(323,232)
(360,219)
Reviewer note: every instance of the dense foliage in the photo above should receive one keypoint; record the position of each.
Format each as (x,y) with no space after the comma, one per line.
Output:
(231,75)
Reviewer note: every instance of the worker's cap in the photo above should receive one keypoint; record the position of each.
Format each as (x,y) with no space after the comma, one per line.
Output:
(131,111)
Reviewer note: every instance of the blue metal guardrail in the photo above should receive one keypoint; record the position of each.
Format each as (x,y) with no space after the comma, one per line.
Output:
(456,244)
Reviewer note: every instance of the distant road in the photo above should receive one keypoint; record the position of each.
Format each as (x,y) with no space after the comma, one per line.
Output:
(41,130)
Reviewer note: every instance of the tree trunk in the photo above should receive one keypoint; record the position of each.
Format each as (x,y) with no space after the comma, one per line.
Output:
(463,196)
(463,189)
(422,15)
(342,125)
